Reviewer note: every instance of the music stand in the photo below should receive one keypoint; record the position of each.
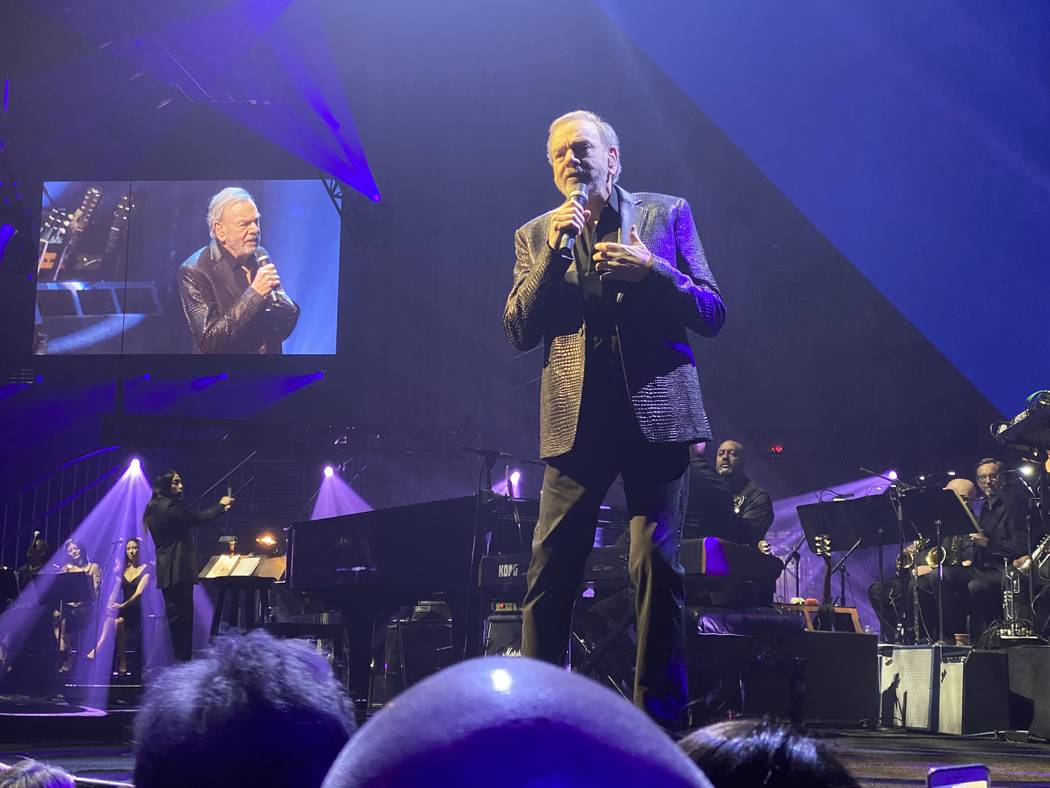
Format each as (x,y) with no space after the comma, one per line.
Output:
(54,589)
(936,514)
(860,522)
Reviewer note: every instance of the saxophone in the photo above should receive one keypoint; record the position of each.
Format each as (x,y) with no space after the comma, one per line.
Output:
(1040,556)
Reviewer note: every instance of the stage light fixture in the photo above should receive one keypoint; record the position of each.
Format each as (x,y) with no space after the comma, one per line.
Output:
(329,471)
(892,475)
(1026,470)
(135,466)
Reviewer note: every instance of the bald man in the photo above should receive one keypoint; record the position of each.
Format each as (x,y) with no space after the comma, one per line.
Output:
(958,571)
(751,504)
(895,595)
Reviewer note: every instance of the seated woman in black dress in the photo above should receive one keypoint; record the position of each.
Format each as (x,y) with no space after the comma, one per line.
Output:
(72,617)
(125,615)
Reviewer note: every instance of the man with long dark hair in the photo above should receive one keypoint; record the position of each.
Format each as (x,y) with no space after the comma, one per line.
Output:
(170,522)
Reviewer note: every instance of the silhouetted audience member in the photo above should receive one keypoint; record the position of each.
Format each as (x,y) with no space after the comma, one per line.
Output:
(511,722)
(764,753)
(254,711)
(34,774)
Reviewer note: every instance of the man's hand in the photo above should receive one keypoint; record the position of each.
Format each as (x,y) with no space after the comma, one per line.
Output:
(1022,562)
(979,539)
(629,262)
(266,279)
(569,219)
(226,502)
(115,607)
(765,547)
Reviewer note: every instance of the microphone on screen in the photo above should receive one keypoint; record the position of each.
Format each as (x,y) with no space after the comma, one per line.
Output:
(263,258)
(579,196)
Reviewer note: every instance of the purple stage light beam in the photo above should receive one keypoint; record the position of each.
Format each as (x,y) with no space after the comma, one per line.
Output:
(336,498)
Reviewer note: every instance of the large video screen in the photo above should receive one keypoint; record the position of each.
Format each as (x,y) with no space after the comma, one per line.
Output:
(173,267)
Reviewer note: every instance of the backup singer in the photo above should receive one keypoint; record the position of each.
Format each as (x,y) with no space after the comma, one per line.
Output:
(170,522)
(234,304)
(124,615)
(619,392)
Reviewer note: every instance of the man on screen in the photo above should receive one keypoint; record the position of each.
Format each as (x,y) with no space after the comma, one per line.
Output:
(230,289)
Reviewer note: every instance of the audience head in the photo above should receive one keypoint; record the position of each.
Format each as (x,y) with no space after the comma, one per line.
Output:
(34,774)
(764,753)
(510,721)
(254,711)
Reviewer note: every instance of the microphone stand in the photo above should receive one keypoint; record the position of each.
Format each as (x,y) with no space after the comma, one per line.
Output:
(840,567)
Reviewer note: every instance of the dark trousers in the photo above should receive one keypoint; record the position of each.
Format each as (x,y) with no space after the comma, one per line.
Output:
(986,592)
(178,608)
(608,444)
(893,596)
(955,600)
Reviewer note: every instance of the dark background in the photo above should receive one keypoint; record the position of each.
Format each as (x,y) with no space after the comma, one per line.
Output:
(445,107)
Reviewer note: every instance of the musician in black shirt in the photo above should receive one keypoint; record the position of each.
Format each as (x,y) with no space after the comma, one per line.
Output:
(752,505)
(1003,539)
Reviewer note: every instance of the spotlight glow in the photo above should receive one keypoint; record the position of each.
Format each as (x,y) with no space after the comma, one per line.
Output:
(891,475)
(329,471)
(1027,471)
(135,466)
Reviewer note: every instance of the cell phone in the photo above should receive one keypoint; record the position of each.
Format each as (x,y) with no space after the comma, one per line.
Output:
(229,491)
(974,775)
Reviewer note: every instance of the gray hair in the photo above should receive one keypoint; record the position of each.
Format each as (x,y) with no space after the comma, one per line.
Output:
(606,132)
(223,200)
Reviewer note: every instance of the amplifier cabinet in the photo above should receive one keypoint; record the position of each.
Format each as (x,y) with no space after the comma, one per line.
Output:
(909,684)
(974,693)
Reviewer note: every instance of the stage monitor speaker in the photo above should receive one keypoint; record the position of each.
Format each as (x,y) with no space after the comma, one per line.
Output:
(1030,689)
(840,676)
(909,684)
(974,693)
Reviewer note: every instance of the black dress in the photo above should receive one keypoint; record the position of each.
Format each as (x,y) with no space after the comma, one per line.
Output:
(132,614)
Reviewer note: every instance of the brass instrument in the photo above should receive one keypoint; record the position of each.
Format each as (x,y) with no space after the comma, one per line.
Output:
(1040,557)
(907,559)
(952,556)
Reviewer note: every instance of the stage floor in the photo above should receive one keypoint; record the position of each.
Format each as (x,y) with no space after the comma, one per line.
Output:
(877,758)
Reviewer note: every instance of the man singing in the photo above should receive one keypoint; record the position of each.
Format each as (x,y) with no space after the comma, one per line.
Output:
(619,392)
(230,289)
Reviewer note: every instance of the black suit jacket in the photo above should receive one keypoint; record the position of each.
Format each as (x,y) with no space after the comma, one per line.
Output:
(546,304)
(224,314)
(170,522)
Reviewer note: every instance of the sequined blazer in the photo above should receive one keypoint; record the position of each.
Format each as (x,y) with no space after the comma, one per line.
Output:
(546,304)
(224,314)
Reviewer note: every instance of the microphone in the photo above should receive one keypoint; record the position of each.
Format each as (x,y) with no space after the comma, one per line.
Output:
(579,196)
(263,258)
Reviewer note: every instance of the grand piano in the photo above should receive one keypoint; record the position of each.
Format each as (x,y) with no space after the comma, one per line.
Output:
(370,564)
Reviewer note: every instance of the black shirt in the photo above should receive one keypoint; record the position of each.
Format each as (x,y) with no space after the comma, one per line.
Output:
(599,298)
(1003,521)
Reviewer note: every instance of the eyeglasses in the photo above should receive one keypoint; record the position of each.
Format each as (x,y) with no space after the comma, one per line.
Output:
(985,477)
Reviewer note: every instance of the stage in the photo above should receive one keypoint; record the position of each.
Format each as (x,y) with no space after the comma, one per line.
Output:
(880,759)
